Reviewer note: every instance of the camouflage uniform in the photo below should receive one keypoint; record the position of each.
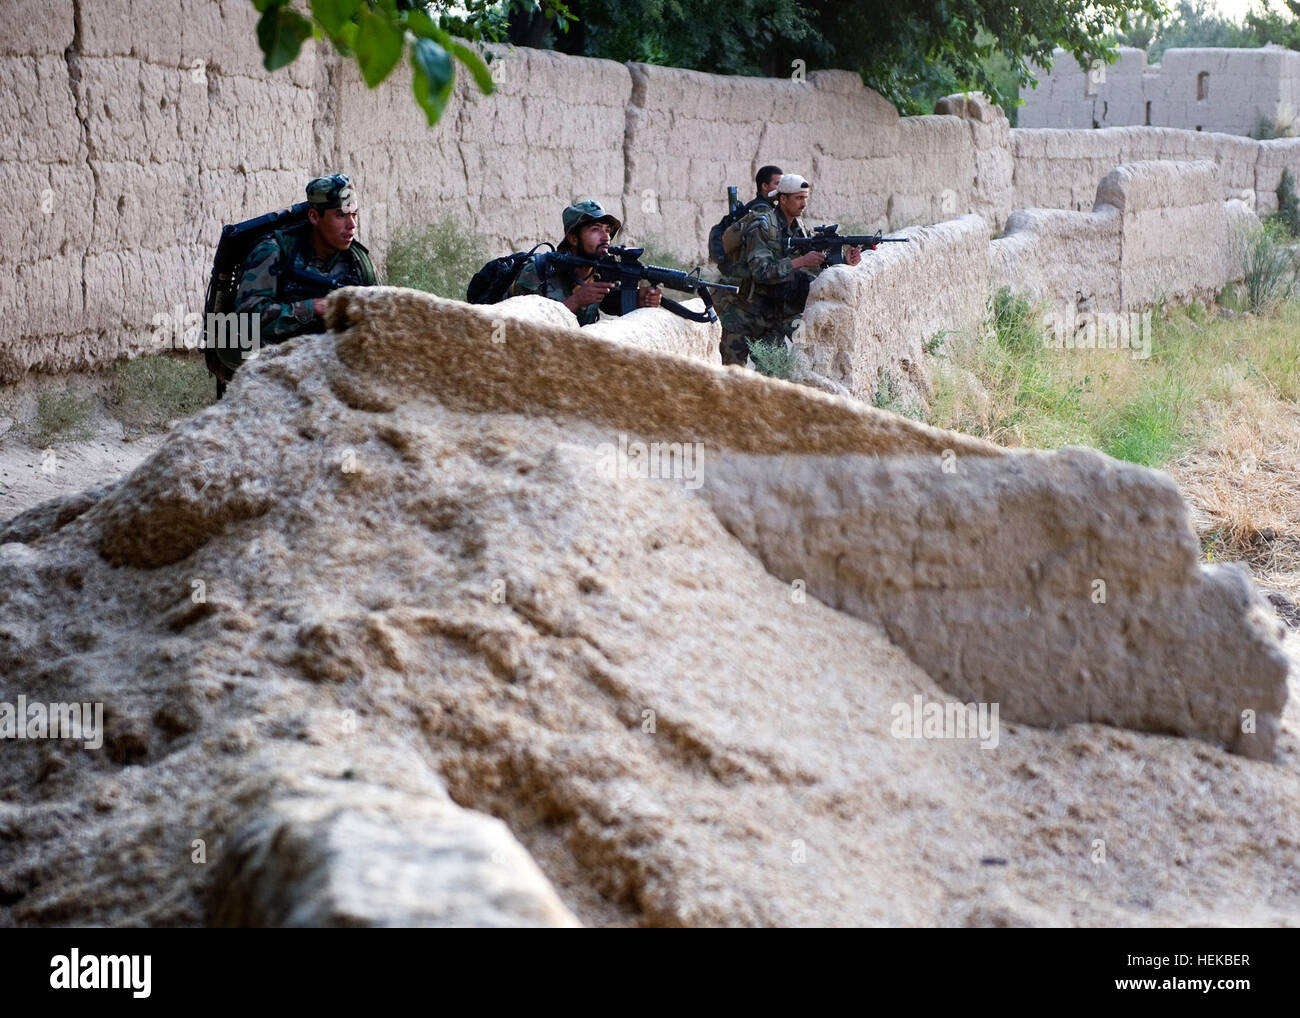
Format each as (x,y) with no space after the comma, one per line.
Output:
(730,271)
(285,304)
(560,282)
(772,291)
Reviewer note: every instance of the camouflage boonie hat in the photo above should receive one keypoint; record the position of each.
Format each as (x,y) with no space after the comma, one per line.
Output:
(589,211)
(333,192)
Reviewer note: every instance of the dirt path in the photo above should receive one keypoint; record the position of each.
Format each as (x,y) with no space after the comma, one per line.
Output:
(29,476)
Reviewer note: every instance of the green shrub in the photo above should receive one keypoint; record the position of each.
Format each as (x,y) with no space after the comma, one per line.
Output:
(1268,267)
(777,360)
(148,393)
(439,258)
(1288,205)
(63,415)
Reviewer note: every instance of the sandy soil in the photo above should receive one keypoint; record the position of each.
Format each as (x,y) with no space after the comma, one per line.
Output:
(29,476)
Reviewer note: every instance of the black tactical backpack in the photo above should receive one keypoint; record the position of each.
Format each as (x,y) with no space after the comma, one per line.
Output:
(237,242)
(491,284)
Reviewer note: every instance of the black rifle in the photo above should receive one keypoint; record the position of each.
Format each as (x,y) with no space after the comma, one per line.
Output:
(733,200)
(623,266)
(310,277)
(828,238)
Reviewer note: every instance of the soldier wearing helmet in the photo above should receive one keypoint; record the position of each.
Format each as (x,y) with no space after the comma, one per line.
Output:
(588,230)
(325,244)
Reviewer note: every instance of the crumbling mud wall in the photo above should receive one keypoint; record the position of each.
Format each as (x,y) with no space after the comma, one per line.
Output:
(1204,89)
(860,331)
(1141,243)
(135,138)
(441,573)
(503,165)
(1060,169)
(132,148)
(1138,211)
(689,134)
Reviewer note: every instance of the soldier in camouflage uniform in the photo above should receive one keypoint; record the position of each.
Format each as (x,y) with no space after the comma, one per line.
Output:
(773,286)
(588,229)
(325,244)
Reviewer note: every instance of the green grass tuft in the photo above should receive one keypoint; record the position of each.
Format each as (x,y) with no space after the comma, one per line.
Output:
(62,415)
(440,258)
(1147,429)
(148,393)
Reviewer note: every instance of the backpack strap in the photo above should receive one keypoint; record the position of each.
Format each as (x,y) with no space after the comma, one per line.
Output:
(285,245)
(361,257)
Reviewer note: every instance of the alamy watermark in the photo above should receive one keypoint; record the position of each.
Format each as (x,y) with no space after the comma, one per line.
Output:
(75,721)
(1099,330)
(935,720)
(676,461)
(75,971)
(216,330)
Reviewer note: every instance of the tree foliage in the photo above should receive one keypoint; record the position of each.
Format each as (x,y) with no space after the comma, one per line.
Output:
(377,32)
(1197,23)
(909,53)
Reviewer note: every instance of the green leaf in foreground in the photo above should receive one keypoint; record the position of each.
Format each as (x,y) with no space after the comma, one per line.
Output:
(378,47)
(334,14)
(425,27)
(281,33)
(433,78)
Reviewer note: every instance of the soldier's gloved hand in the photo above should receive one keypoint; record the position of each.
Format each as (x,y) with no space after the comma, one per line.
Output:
(649,297)
(852,255)
(811,260)
(590,292)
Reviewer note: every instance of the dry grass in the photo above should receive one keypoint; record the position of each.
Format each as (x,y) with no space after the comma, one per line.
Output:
(1217,404)
(1245,491)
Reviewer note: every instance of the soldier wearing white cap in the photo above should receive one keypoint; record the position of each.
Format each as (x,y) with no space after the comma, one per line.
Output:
(774,286)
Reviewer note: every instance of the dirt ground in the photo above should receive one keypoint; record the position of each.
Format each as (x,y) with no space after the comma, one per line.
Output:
(29,476)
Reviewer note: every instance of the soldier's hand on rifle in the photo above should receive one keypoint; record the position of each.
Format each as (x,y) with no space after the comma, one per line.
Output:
(590,292)
(811,260)
(852,255)
(321,305)
(649,297)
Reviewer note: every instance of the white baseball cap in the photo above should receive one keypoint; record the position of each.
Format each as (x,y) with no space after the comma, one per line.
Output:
(791,183)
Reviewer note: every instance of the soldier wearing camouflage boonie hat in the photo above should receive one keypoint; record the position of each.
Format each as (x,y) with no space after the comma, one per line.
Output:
(289,274)
(578,289)
(332,192)
(586,212)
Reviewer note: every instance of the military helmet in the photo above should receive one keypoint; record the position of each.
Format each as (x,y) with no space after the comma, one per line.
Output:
(588,212)
(332,192)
